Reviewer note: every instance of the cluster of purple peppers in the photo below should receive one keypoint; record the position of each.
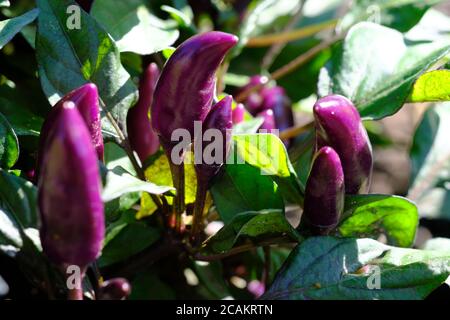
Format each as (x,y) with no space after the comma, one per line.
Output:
(71,144)
(269,103)
(341,165)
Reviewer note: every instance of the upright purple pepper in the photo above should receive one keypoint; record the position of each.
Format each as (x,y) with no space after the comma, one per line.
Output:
(269,120)
(69,192)
(238,113)
(339,126)
(324,192)
(86,100)
(143,138)
(185,89)
(219,118)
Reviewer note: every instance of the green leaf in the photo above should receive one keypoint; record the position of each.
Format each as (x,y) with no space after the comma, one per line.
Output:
(431,86)
(376,68)
(329,268)
(119,182)
(4,3)
(9,144)
(240,188)
(133,26)
(68,58)
(9,28)
(250,126)
(149,286)
(370,215)
(254,226)
(19,197)
(430,163)
(401,15)
(437,244)
(267,153)
(10,237)
(19,106)
(125,238)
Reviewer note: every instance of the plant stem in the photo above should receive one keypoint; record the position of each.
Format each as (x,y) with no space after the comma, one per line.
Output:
(291,66)
(237,250)
(177,171)
(292,132)
(276,48)
(199,205)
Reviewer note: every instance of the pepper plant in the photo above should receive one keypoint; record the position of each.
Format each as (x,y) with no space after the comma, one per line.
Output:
(216,149)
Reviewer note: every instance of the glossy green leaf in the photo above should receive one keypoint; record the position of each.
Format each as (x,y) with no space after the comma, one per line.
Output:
(376,68)
(4,3)
(267,153)
(437,244)
(250,126)
(401,15)
(430,162)
(431,86)
(120,182)
(240,188)
(9,144)
(133,26)
(370,215)
(254,226)
(322,268)
(69,57)
(10,27)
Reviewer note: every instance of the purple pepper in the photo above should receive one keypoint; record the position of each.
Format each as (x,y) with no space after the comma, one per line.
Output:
(269,120)
(219,118)
(324,192)
(238,113)
(275,98)
(339,126)
(114,289)
(85,4)
(143,138)
(85,99)
(185,89)
(69,192)
(253,102)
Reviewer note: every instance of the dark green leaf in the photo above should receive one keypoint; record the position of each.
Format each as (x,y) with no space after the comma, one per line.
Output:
(376,68)
(9,144)
(69,58)
(133,26)
(331,268)
(242,188)
(9,28)
(125,238)
(430,162)
(149,286)
(370,215)
(255,226)
(19,196)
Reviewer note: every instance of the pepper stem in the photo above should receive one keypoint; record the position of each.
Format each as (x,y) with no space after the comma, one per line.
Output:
(177,171)
(75,294)
(199,205)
